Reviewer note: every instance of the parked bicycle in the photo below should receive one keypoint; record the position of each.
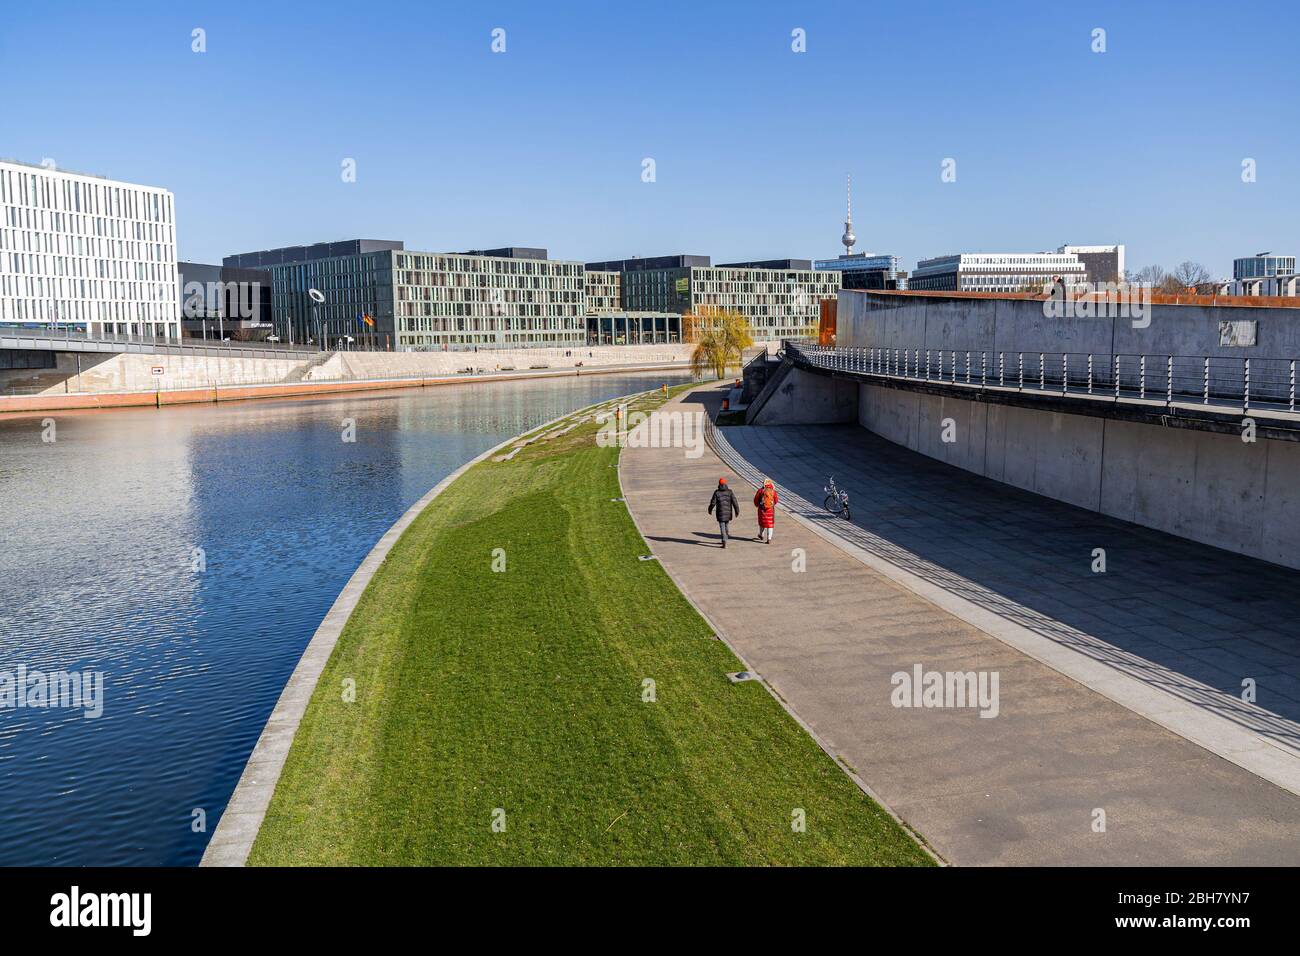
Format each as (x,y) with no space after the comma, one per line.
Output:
(837,502)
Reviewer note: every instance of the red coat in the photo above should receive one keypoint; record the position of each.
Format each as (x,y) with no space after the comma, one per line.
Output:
(766,516)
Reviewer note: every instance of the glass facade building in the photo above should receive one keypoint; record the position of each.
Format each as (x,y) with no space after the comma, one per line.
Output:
(1263,266)
(781,298)
(864,270)
(419,301)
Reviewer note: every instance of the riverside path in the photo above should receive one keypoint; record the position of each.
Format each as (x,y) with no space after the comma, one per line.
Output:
(1073,770)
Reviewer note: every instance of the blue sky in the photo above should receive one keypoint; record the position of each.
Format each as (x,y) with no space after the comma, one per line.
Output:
(457,147)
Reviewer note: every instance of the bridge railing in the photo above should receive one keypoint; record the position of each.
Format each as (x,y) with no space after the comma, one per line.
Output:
(1214,380)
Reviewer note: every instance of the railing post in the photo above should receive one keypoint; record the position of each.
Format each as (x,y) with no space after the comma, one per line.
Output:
(1117,377)
(1089,373)
(1292,404)
(1142,376)
(1002,369)
(968,368)
(954,366)
(1022,370)
(984,369)
(1207,380)
(1246,391)
(1042,371)
(1065,372)
(927,365)
(1169,379)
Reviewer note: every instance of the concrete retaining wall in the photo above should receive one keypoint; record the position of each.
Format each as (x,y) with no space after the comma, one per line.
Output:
(795,397)
(394,364)
(125,372)
(1211,488)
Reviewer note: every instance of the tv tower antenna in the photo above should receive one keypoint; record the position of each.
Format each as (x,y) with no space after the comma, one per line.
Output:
(849,238)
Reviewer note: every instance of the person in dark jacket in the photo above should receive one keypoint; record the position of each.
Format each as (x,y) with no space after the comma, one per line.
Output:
(724,507)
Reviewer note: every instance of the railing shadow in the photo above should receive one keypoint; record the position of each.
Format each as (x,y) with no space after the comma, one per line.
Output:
(1167,610)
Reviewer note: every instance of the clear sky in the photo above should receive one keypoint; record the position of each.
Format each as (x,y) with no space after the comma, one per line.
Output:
(458,147)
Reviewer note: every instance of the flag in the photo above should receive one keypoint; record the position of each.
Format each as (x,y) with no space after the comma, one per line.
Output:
(369,321)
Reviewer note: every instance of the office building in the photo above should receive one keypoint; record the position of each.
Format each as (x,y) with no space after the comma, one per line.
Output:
(1263,265)
(355,277)
(779,297)
(865,270)
(604,291)
(997,272)
(84,252)
(497,298)
(633,328)
(1263,274)
(1103,263)
(221,302)
(513,296)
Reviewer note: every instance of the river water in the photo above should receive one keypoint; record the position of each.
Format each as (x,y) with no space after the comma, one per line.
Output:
(187,555)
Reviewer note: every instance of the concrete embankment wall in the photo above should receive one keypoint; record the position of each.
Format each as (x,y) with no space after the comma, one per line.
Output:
(122,380)
(126,372)
(395,364)
(1212,488)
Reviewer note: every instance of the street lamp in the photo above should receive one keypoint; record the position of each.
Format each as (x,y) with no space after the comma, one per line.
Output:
(317,297)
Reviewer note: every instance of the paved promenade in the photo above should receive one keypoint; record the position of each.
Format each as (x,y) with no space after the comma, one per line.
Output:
(1031,784)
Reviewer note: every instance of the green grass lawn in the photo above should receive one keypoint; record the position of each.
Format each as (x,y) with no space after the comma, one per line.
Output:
(522,690)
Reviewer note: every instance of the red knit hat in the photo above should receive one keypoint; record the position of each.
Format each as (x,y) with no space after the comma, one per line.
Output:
(722,481)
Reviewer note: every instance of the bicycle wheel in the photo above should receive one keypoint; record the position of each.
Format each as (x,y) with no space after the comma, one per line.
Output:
(846,513)
(829,504)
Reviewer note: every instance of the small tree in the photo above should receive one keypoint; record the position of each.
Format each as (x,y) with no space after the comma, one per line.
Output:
(708,356)
(1190,274)
(718,336)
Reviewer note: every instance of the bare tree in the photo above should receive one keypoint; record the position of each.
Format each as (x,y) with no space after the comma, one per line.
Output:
(1190,274)
(1153,276)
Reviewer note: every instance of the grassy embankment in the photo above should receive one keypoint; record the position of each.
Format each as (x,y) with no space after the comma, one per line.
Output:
(522,690)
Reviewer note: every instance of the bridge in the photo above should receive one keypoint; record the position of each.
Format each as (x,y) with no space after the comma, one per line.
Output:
(67,339)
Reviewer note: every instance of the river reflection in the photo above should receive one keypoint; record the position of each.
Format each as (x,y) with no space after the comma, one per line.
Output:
(100,534)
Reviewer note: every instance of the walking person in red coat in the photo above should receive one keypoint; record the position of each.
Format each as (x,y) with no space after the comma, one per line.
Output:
(765,501)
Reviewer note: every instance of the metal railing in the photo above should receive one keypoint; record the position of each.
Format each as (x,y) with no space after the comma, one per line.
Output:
(1252,382)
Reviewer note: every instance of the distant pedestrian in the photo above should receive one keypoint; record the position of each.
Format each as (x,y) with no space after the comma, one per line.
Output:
(765,501)
(723,506)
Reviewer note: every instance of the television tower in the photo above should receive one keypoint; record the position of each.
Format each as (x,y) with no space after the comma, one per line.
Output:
(849,238)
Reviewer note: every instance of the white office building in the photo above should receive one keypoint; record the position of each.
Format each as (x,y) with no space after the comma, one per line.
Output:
(997,272)
(85,252)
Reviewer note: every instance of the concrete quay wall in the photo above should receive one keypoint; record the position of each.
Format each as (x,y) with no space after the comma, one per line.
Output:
(293,389)
(1216,489)
(82,373)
